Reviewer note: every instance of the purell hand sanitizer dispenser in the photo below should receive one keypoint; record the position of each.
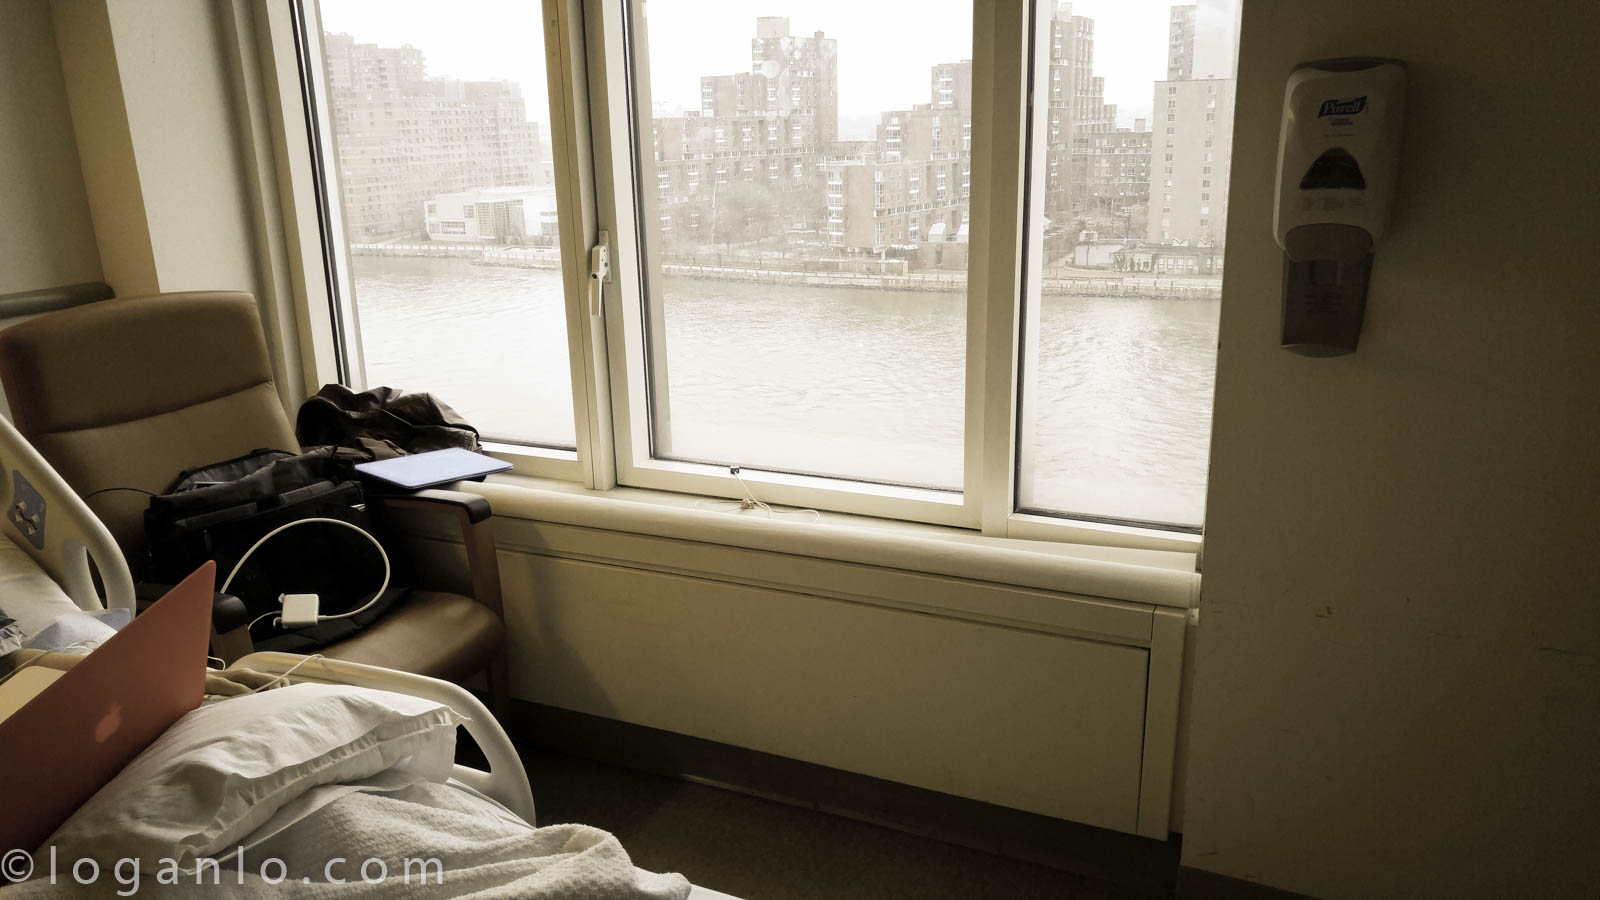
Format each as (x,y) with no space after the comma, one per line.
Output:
(1337,156)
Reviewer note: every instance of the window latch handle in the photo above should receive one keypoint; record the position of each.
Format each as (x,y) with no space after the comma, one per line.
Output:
(599,271)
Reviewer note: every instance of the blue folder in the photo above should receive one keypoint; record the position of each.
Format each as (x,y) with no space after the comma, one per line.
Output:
(435,467)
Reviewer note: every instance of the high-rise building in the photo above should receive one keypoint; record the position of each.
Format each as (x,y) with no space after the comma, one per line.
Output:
(1190,158)
(1191,150)
(729,96)
(912,186)
(734,178)
(745,165)
(952,85)
(1180,43)
(404,138)
(1111,173)
(802,73)
(1075,107)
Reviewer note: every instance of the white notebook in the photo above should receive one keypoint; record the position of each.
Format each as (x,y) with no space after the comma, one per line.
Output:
(422,470)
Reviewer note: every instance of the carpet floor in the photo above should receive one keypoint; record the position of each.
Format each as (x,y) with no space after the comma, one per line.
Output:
(761,850)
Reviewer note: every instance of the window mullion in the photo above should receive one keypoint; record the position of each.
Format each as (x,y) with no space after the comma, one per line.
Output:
(997,278)
(604,37)
(309,186)
(575,200)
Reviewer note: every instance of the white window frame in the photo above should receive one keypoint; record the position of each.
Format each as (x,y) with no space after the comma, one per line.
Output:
(318,246)
(593,143)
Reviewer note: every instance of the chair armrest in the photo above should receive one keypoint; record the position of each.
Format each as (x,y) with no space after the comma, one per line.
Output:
(472,514)
(472,508)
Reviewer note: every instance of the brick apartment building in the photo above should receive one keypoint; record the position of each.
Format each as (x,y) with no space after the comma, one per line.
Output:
(404,138)
(1111,179)
(745,164)
(1192,140)
(912,185)
(1075,107)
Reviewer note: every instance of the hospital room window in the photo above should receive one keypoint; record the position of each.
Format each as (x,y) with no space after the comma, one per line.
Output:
(815,324)
(453,276)
(1115,382)
(788,288)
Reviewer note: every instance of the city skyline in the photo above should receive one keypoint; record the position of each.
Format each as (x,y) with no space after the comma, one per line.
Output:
(1131,39)
(764,154)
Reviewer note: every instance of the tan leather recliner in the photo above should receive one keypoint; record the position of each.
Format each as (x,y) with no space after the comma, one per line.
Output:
(122,395)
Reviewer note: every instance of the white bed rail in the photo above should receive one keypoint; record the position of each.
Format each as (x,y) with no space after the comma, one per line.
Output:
(506,781)
(46,518)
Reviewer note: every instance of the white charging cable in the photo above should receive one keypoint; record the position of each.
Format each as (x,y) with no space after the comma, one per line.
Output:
(90,643)
(290,671)
(750,502)
(226,582)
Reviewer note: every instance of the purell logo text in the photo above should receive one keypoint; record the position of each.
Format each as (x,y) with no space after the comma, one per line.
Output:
(1342,107)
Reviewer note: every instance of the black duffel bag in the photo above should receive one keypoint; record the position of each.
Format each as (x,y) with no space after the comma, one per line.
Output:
(381,423)
(219,511)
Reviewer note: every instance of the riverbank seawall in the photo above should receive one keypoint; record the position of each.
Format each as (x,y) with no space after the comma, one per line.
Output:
(1140,286)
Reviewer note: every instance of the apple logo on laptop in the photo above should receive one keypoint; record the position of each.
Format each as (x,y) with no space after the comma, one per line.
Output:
(109,724)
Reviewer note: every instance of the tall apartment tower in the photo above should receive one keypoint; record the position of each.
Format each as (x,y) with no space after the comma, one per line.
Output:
(1076,107)
(952,85)
(1191,151)
(405,138)
(740,94)
(912,186)
(750,153)
(802,73)
(1190,158)
(1111,178)
(1180,43)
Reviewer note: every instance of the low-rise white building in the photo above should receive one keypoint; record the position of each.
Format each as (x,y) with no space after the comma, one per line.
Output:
(504,215)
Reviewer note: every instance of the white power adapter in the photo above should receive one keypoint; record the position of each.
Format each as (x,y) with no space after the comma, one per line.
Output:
(299,610)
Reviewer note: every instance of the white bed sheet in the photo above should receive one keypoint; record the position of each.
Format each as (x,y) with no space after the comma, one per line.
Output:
(482,850)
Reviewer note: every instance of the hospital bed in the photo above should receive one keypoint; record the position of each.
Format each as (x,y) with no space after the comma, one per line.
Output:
(59,536)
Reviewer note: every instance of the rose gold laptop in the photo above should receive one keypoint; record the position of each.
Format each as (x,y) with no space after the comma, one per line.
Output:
(79,732)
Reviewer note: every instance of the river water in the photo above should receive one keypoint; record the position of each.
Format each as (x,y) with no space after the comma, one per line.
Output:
(854,382)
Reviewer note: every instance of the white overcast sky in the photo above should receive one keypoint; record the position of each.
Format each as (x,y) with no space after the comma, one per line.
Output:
(885,46)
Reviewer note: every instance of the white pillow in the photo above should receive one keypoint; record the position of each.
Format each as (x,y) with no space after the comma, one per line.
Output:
(222,770)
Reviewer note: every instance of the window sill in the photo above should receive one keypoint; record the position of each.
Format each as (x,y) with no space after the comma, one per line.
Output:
(1155,577)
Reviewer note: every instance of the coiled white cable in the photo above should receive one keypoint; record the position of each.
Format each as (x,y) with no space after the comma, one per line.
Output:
(226,582)
(750,502)
(290,671)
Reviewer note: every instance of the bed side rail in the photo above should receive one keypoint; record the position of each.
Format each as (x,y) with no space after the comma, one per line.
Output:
(46,518)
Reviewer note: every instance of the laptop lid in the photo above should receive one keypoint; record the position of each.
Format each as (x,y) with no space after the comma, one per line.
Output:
(79,732)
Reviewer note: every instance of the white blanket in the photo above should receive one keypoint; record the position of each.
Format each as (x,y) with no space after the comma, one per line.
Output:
(460,844)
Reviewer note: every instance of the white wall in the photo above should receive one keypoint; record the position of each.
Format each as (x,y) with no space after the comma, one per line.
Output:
(174,157)
(153,100)
(1397,688)
(180,106)
(46,236)
(88,57)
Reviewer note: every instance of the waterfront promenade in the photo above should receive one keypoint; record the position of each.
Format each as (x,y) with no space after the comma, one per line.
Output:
(1056,280)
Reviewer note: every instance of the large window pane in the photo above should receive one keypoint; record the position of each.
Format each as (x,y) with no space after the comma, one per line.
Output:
(1118,368)
(804,182)
(440,115)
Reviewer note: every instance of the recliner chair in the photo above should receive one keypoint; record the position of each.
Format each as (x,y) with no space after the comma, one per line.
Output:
(120,396)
